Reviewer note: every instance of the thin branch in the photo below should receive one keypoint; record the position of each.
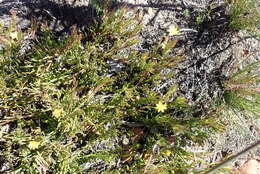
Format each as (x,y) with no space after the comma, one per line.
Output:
(251,147)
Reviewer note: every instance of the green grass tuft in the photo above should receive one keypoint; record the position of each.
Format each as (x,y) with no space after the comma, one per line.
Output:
(244,15)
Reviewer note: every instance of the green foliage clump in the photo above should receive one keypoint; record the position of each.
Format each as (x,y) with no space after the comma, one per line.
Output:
(244,15)
(242,93)
(67,107)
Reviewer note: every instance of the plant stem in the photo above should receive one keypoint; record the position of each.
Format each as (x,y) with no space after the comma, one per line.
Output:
(251,147)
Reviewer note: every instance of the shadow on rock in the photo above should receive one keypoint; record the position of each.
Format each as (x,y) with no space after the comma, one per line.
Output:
(60,16)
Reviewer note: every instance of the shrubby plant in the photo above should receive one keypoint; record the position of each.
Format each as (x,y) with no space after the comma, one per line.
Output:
(63,97)
(89,102)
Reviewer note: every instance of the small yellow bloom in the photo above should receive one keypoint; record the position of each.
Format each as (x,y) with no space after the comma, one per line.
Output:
(160,107)
(14,35)
(57,113)
(173,30)
(167,153)
(33,144)
(164,45)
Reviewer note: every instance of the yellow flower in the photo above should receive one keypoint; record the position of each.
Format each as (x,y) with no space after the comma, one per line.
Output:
(164,44)
(14,35)
(160,107)
(173,30)
(167,153)
(33,144)
(57,113)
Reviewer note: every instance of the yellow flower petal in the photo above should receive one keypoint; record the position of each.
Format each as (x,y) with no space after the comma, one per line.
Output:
(14,35)
(57,113)
(167,153)
(163,45)
(173,30)
(33,144)
(160,107)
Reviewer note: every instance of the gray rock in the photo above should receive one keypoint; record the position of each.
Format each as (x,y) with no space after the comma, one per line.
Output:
(59,15)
